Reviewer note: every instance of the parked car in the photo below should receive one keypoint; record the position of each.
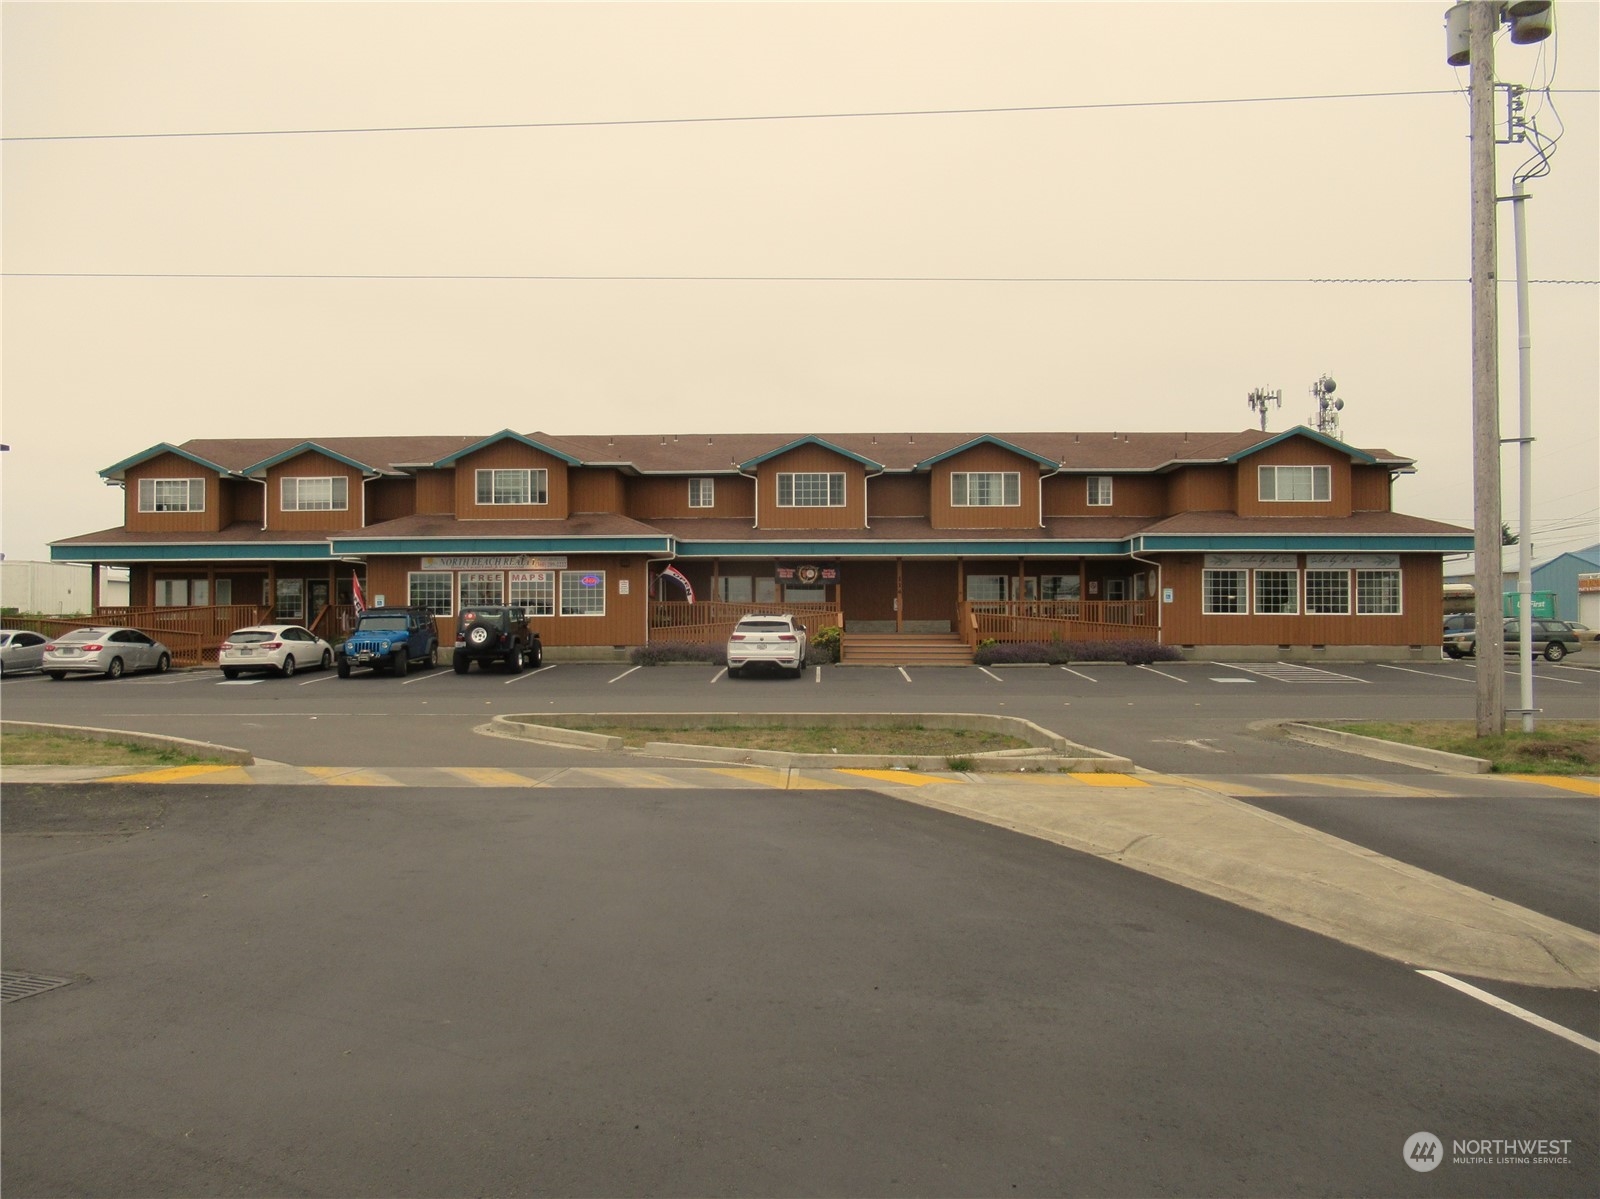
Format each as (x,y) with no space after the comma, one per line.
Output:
(282,648)
(104,649)
(1552,638)
(20,650)
(389,639)
(494,633)
(778,641)
(1581,631)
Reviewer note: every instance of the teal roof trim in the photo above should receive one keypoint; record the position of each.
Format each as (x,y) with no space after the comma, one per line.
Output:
(508,435)
(900,549)
(1301,431)
(812,440)
(232,551)
(988,439)
(305,447)
(502,545)
(1422,543)
(120,469)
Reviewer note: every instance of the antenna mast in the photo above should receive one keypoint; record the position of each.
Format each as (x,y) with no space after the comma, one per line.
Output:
(1260,398)
(1326,416)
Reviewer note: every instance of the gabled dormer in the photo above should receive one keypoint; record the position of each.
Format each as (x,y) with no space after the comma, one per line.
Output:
(311,488)
(510,477)
(1300,472)
(811,484)
(169,490)
(985,483)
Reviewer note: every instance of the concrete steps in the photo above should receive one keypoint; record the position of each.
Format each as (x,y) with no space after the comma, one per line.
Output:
(904,649)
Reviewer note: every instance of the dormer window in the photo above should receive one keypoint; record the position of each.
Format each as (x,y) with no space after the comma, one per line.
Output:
(811,490)
(985,489)
(1099,491)
(513,486)
(1295,484)
(172,495)
(330,494)
(702,493)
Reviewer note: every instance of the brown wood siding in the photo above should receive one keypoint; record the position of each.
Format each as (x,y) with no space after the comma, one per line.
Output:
(1297,451)
(667,497)
(595,489)
(390,499)
(622,624)
(1200,489)
(897,495)
(1421,603)
(1370,489)
(313,465)
(805,460)
(869,590)
(510,455)
(929,590)
(436,492)
(1131,495)
(944,515)
(173,466)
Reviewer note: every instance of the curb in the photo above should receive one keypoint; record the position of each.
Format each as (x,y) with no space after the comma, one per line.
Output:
(208,749)
(1389,751)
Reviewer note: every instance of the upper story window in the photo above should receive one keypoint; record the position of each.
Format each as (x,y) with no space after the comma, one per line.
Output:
(172,495)
(513,486)
(815,490)
(316,495)
(1295,484)
(702,493)
(985,489)
(1099,491)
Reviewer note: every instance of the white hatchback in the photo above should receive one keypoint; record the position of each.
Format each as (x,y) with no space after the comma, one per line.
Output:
(779,641)
(280,648)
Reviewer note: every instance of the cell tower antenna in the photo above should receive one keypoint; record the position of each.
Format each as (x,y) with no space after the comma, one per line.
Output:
(1327,414)
(1260,398)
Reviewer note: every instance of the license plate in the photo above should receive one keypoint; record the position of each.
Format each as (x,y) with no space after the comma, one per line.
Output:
(364,656)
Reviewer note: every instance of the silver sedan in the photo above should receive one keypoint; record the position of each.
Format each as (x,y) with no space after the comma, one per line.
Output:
(107,650)
(20,650)
(280,648)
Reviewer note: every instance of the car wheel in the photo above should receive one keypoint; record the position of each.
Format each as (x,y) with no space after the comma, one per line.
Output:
(400,662)
(229,672)
(1554,652)
(1453,653)
(430,659)
(57,675)
(163,664)
(461,662)
(327,658)
(344,669)
(536,655)
(514,660)
(733,671)
(114,671)
(287,669)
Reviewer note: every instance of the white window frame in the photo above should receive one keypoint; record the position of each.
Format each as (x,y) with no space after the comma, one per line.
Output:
(496,481)
(1314,592)
(1270,482)
(1097,491)
(1293,577)
(1006,588)
(534,591)
(702,493)
(172,593)
(1242,595)
(440,585)
(580,591)
(291,496)
(150,499)
(985,489)
(289,592)
(475,578)
(788,481)
(1069,587)
(1398,595)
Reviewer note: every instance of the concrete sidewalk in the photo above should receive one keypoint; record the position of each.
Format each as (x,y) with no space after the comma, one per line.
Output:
(1169,828)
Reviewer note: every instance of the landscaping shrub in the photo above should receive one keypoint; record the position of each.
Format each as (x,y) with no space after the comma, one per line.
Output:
(1134,653)
(656,652)
(825,645)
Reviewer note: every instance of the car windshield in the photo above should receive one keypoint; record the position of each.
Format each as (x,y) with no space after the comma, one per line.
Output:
(386,624)
(249,636)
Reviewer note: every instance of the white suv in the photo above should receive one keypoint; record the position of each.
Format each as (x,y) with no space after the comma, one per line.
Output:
(779,641)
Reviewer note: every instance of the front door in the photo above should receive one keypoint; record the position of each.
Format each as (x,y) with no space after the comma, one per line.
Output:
(316,598)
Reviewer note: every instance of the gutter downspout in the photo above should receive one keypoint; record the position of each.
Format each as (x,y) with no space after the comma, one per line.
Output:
(648,562)
(1156,598)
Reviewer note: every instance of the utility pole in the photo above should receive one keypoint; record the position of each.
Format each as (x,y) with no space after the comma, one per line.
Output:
(1484,23)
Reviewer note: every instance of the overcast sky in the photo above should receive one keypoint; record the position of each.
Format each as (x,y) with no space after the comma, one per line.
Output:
(1116,258)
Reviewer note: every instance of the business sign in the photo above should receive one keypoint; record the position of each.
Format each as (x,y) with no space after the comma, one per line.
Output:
(1352,561)
(1251,562)
(493,562)
(807,574)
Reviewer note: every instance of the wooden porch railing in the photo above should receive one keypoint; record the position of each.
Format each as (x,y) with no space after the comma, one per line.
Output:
(712,621)
(192,634)
(334,623)
(1059,620)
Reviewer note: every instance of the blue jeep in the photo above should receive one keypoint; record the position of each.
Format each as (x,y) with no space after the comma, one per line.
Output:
(390,639)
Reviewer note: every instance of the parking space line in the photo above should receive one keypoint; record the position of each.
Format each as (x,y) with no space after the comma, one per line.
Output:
(623,675)
(1511,1009)
(903,674)
(718,676)
(435,673)
(527,674)
(991,674)
(1164,674)
(321,678)
(1427,674)
(1079,673)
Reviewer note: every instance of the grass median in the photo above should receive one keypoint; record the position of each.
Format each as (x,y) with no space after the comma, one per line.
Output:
(907,740)
(1554,747)
(31,748)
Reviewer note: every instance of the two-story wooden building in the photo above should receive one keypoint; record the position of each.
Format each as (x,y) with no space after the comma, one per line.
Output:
(1238,544)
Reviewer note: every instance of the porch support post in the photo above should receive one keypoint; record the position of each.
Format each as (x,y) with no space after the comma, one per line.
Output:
(94,588)
(899,595)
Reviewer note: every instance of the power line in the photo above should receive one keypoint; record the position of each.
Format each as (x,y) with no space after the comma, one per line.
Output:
(747,118)
(423,278)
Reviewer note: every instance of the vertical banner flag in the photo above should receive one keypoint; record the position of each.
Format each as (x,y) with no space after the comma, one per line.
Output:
(356,598)
(673,573)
